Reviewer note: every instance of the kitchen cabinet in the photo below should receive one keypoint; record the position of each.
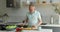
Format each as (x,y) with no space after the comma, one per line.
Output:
(13,3)
(10,3)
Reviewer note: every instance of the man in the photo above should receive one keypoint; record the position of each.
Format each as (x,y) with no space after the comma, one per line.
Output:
(33,17)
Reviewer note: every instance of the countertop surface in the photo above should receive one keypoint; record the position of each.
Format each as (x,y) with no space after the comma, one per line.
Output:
(51,25)
(17,23)
(41,30)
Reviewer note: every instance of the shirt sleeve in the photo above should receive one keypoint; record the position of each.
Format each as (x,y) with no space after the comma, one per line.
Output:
(39,16)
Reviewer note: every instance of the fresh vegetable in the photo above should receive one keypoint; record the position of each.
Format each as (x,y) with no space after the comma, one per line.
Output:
(11,27)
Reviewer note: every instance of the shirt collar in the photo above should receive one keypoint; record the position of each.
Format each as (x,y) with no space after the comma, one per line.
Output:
(33,12)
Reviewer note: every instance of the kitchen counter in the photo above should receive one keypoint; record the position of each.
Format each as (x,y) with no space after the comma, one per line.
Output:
(17,23)
(55,27)
(42,30)
(51,25)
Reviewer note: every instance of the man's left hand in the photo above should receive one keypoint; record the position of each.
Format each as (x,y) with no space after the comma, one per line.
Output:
(34,27)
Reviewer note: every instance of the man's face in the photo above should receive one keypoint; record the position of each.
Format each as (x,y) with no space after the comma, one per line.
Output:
(31,9)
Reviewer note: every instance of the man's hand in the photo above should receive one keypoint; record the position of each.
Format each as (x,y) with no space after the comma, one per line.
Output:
(34,27)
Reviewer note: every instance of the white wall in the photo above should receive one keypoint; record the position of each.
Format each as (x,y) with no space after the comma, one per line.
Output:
(53,1)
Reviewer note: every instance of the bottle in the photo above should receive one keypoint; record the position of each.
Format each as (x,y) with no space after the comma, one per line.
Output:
(51,20)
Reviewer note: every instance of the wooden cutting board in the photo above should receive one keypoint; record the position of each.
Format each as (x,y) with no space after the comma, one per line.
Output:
(28,28)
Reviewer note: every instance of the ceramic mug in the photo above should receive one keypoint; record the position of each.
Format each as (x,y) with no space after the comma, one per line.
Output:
(39,28)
